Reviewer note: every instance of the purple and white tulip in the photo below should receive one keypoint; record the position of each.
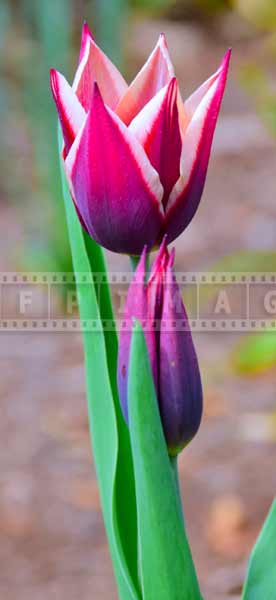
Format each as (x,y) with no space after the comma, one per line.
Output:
(136,155)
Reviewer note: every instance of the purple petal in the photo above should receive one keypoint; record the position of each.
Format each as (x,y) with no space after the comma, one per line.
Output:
(180,391)
(136,307)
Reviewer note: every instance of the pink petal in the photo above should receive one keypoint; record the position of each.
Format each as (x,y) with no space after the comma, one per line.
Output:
(156,281)
(117,191)
(96,66)
(186,109)
(86,37)
(157,129)
(136,307)
(160,261)
(192,103)
(70,111)
(156,73)
(186,194)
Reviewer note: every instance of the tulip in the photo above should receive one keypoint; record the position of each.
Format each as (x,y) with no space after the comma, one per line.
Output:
(158,306)
(135,156)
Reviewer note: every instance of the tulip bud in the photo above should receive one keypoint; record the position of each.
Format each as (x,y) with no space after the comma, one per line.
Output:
(158,306)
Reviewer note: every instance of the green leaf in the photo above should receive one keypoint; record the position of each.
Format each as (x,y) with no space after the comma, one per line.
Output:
(166,566)
(98,266)
(255,354)
(125,513)
(109,434)
(260,582)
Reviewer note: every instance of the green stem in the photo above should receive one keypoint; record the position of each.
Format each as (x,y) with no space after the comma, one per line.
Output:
(134,260)
(174,466)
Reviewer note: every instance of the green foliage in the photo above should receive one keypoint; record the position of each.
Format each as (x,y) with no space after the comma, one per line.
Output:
(166,566)
(260,583)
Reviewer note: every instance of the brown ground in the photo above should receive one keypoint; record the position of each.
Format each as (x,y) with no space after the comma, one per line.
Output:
(52,542)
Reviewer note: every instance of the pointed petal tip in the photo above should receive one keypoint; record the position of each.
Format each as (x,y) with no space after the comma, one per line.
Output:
(57,80)
(86,31)
(96,88)
(86,37)
(226,60)
(96,96)
(145,250)
(163,246)
(173,84)
(163,40)
(53,80)
(70,112)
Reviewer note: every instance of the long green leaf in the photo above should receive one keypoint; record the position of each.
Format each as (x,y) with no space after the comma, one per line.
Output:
(166,566)
(111,453)
(260,583)
(125,514)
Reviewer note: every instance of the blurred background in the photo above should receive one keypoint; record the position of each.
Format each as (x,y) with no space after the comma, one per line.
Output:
(52,541)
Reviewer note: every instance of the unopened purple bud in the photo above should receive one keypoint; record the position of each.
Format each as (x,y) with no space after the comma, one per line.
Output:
(170,346)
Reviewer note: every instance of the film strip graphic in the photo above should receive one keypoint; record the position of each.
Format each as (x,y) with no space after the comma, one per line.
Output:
(215,301)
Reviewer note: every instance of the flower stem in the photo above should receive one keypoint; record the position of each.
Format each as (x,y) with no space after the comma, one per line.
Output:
(134,260)
(174,466)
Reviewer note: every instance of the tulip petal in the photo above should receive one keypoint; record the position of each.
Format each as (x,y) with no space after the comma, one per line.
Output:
(136,307)
(155,282)
(180,390)
(194,100)
(96,66)
(156,73)
(187,109)
(183,117)
(157,129)
(160,261)
(117,191)
(186,194)
(70,111)
(86,37)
